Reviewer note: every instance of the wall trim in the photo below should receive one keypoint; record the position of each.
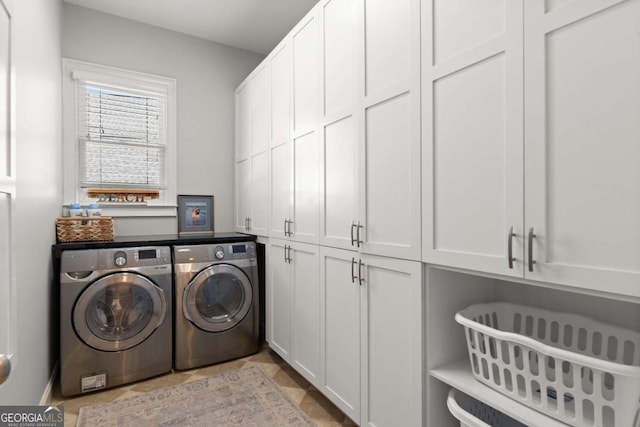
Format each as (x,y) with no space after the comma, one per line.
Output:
(46,395)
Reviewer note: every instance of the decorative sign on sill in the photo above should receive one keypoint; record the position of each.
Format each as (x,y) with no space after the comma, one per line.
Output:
(122,195)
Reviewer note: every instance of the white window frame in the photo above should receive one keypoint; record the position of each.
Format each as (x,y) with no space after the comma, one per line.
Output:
(72,72)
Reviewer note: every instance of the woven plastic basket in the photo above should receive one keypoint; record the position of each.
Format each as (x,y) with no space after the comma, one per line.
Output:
(84,229)
(473,413)
(575,369)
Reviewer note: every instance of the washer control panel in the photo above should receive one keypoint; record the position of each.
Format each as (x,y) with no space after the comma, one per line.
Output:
(231,251)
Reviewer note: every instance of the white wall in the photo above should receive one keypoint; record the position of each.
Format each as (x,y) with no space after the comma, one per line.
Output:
(207,74)
(36,55)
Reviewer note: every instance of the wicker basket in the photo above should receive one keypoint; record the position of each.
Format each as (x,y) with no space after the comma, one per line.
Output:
(83,229)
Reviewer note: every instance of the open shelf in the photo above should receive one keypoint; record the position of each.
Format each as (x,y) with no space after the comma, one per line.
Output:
(458,375)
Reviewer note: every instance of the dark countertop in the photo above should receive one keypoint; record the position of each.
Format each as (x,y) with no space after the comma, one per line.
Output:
(158,240)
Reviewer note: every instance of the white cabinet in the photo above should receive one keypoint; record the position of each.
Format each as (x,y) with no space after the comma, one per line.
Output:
(582,143)
(293,310)
(371,126)
(341,302)
(295,145)
(372,337)
(531,140)
(252,154)
(280,147)
(340,22)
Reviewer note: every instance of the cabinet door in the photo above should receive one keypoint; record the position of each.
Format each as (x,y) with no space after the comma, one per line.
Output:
(389,181)
(278,301)
(340,329)
(391,342)
(243,194)
(259,217)
(280,139)
(243,124)
(339,176)
(306,141)
(472,135)
(305,351)
(582,133)
(259,109)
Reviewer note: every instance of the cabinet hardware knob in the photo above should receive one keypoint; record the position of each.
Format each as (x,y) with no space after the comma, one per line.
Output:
(510,257)
(531,260)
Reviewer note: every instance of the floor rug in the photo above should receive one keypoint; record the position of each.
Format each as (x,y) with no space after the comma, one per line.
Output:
(244,397)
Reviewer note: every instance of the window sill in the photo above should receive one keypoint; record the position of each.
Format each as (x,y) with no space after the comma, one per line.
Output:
(132,210)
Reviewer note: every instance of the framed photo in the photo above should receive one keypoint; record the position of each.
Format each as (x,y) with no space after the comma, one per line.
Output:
(195,215)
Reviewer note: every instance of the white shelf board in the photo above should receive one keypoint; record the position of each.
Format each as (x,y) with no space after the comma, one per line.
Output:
(458,375)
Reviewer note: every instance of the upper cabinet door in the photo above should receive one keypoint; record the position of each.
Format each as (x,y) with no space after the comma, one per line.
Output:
(306,142)
(280,93)
(472,86)
(243,124)
(259,109)
(306,66)
(281,124)
(389,128)
(582,143)
(340,21)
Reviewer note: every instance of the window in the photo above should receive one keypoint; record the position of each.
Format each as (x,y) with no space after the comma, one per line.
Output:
(119,133)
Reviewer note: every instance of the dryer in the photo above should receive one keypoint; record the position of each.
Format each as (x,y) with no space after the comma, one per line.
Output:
(216,303)
(115,317)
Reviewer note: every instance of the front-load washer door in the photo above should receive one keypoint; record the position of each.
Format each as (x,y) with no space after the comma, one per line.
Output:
(218,298)
(119,311)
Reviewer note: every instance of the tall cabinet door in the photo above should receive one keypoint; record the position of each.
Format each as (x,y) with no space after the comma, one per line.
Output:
(242,155)
(340,329)
(305,354)
(306,141)
(340,24)
(260,124)
(472,135)
(278,299)
(389,183)
(391,342)
(582,133)
(280,139)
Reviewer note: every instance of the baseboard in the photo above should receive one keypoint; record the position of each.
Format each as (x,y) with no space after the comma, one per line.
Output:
(46,395)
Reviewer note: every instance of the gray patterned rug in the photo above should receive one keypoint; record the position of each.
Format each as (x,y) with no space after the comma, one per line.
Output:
(245,397)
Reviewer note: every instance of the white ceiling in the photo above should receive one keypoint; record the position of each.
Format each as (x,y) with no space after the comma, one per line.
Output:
(255,25)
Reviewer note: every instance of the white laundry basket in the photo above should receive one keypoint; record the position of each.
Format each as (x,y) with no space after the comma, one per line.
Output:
(570,367)
(473,413)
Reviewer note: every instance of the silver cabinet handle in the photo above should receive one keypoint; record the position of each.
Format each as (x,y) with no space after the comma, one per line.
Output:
(5,367)
(510,257)
(289,232)
(353,240)
(285,254)
(353,276)
(246,224)
(249,222)
(531,261)
(358,234)
(284,228)
(290,259)
(360,265)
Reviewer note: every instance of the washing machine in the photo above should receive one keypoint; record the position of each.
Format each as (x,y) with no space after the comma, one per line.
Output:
(115,317)
(216,296)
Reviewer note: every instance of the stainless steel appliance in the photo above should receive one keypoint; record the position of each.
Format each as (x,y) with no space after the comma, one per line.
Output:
(216,304)
(115,317)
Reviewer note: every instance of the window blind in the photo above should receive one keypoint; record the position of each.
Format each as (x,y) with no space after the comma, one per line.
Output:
(122,137)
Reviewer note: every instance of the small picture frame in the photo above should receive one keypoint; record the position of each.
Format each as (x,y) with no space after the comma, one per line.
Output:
(195,215)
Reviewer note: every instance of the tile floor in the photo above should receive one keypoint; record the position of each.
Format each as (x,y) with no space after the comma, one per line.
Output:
(311,401)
